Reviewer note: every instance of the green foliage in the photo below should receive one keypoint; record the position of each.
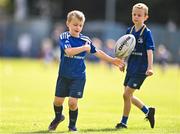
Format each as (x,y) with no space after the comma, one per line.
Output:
(27,92)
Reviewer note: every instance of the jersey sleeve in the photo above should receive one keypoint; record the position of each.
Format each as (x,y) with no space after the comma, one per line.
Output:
(150,42)
(64,41)
(93,49)
(88,40)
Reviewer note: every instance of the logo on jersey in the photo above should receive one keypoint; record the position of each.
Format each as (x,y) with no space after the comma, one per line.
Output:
(66,41)
(140,40)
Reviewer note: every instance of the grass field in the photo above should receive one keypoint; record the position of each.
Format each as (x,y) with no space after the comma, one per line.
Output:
(27,92)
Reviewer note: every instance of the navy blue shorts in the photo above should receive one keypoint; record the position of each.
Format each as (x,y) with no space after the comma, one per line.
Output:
(134,82)
(66,87)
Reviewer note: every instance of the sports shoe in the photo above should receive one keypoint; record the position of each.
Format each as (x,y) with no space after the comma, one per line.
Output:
(72,128)
(120,126)
(150,116)
(55,123)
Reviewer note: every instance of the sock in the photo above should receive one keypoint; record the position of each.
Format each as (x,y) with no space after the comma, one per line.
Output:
(124,120)
(145,110)
(73,117)
(58,112)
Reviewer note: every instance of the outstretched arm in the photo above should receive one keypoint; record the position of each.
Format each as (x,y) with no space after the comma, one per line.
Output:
(115,61)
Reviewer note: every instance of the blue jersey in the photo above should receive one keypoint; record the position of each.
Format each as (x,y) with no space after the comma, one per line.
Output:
(138,61)
(73,67)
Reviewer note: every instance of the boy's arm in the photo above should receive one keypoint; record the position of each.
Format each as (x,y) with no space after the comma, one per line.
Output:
(116,61)
(71,51)
(149,71)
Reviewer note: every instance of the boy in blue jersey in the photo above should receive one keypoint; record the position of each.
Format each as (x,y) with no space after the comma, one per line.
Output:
(140,65)
(71,80)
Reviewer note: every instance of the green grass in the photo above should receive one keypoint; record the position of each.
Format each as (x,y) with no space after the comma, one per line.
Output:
(27,92)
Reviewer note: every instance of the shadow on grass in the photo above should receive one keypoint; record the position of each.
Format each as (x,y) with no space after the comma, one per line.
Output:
(82,130)
(100,130)
(41,132)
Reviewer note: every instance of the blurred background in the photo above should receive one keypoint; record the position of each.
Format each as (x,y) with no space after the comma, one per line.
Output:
(30,28)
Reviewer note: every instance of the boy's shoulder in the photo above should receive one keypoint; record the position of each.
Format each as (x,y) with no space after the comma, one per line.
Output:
(148,29)
(129,29)
(64,35)
(85,38)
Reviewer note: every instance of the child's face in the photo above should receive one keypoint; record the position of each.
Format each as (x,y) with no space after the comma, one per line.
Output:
(75,26)
(138,16)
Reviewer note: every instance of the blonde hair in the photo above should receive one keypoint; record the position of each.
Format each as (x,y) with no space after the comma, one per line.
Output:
(77,14)
(141,6)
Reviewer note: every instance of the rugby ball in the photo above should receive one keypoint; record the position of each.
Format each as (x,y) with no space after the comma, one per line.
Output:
(125,45)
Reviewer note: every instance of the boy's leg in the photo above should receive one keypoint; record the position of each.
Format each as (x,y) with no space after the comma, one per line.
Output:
(58,107)
(138,103)
(73,113)
(75,91)
(149,112)
(128,93)
(58,101)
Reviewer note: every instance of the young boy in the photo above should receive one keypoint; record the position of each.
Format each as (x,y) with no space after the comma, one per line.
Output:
(140,65)
(71,80)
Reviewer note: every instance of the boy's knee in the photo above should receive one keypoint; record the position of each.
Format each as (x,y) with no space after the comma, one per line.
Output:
(72,105)
(58,101)
(126,96)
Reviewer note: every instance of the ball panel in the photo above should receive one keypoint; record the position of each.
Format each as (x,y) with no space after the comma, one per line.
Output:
(125,45)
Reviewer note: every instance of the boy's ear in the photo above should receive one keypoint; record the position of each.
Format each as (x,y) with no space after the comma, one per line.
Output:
(67,24)
(146,17)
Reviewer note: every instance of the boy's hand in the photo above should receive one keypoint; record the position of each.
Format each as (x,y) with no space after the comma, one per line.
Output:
(122,68)
(118,62)
(87,47)
(149,72)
